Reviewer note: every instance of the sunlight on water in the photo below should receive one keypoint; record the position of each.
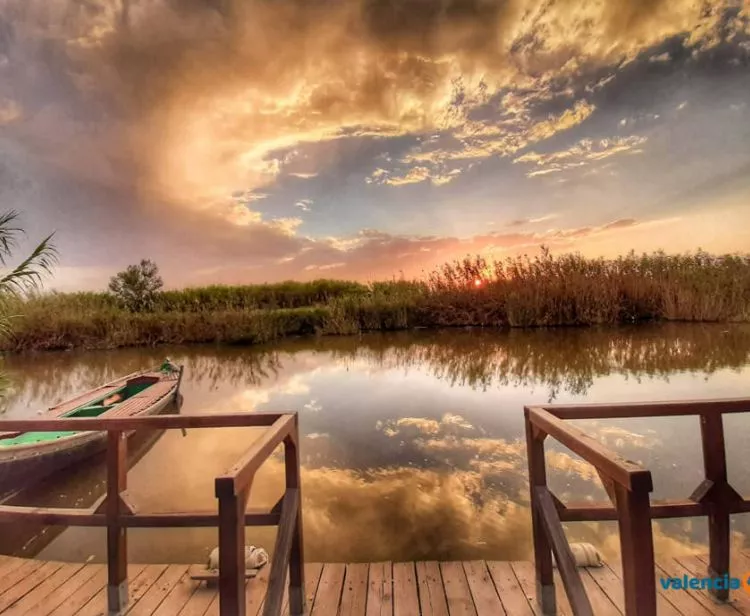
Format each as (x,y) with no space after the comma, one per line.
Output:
(412,443)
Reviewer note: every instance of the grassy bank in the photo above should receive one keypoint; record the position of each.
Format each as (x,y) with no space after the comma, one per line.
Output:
(521,292)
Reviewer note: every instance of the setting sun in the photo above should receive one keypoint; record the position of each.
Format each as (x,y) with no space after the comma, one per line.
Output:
(477,283)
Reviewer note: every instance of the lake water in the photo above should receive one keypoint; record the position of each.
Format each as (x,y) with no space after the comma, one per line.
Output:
(412,443)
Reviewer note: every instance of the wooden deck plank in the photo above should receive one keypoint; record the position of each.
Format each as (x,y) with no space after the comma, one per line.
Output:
(329,590)
(8,564)
(457,591)
(177,597)
(601,603)
(672,568)
(473,588)
(137,587)
(83,595)
(312,578)
(46,604)
(405,597)
(255,592)
(47,588)
(524,573)
(149,601)
(483,591)
(698,566)
(670,603)
(199,601)
(19,590)
(432,600)
(563,605)
(18,574)
(354,593)
(380,590)
(509,590)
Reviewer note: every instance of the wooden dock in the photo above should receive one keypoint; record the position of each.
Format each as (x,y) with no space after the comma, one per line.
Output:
(476,588)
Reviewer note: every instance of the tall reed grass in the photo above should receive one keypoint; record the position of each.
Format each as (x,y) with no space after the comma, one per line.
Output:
(518,292)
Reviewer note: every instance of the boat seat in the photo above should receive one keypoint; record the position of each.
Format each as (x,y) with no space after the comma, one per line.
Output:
(155,392)
(131,406)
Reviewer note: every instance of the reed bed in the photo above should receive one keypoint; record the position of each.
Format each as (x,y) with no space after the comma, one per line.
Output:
(543,291)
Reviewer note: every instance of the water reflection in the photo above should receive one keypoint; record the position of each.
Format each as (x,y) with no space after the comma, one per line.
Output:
(413,443)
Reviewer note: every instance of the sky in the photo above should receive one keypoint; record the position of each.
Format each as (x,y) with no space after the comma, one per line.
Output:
(244,141)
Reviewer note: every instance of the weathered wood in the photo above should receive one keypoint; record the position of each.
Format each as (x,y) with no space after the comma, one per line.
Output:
(281,552)
(81,517)
(329,590)
(380,590)
(177,597)
(432,601)
(637,550)
(545,583)
(48,587)
(44,599)
(564,558)
(484,588)
(578,512)
(152,422)
(511,594)
(649,409)
(457,591)
(241,474)
(715,465)
(354,594)
(117,556)
(157,592)
(296,560)
(27,584)
(606,461)
(685,599)
(139,583)
(483,591)
(231,554)
(405,597)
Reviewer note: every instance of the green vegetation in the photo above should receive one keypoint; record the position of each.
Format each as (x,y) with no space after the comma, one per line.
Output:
(16,282)
(137,287)
(544,291)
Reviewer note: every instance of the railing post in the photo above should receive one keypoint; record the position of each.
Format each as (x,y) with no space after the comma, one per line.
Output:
(637,549)
(545,582)
(117,550)
(715,465)
(231,548)
(296,555)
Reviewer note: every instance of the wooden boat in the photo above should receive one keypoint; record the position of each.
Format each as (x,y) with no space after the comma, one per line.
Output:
(27,457)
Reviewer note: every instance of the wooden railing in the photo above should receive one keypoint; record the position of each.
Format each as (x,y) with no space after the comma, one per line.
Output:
(114,512)
(628,486)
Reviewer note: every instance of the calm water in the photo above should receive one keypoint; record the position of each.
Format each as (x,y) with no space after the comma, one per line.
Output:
(412,443)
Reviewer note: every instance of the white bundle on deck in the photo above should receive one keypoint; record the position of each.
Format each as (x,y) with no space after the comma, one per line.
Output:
(585,555)
(255,558)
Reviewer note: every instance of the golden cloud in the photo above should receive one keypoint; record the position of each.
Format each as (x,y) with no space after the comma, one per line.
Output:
(195,102)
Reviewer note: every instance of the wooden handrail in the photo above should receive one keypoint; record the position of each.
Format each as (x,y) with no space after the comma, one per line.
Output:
(240,476)
(628,486)
(232,489)
(152,422)
(631,475)
(666,408)
(566,563)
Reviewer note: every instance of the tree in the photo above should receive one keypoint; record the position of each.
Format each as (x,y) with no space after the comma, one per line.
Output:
(24,277)
(137,286)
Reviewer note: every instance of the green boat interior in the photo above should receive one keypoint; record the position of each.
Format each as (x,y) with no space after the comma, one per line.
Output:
(91,408)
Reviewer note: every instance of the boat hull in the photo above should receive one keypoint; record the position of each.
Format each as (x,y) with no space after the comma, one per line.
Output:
(21,468)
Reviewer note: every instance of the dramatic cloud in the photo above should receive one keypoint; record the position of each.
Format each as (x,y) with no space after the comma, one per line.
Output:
(227,119)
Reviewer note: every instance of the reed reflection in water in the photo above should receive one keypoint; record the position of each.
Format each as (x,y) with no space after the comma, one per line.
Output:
(413,444)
